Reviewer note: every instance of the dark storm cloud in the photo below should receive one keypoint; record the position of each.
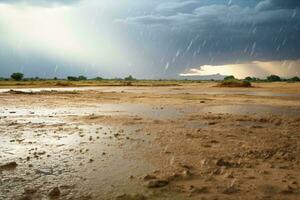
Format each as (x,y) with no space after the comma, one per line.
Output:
(217,15)
(181,6)
(278,4)
(40,2)
(223,32)
(163,38)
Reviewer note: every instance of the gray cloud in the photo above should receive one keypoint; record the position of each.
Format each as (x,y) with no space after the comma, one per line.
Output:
(40,2)
(278,4)
(218,14)
(163,38)
(181,6)
(220,33)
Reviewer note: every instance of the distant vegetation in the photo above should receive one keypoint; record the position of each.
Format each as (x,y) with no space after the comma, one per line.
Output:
(273,78)
(18,79)
(294,79)
(229,78)
(232,82)
(17,76)
(129,78)
(79,78)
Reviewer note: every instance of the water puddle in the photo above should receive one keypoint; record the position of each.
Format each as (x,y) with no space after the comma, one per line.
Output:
(159,90)
(40,114)
(252,110)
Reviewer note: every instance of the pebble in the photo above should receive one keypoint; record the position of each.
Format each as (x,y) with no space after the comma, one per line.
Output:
(55,192)
(157,183)
(9,166)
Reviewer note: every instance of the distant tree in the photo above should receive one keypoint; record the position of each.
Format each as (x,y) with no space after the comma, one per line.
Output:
(251,79)
(98,78)
(295,79)
(273,78)
(72,78)
(129,78)
(17,76)
(55,78)
(82,78)
(229,78)
(248,78)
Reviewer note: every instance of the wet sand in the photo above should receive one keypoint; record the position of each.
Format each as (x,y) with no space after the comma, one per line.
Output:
(194,141)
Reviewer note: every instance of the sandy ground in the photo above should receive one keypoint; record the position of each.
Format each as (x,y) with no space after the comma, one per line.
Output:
(194,141)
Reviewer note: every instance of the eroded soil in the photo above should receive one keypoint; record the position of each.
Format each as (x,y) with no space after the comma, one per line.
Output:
(183,142)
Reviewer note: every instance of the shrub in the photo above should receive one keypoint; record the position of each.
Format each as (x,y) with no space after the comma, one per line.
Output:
(295,79)
(235,83)
(72,78)
(98,78)
(129,78)
(273,78)
(17,76)
(229,78)
(251,79)
(82,78)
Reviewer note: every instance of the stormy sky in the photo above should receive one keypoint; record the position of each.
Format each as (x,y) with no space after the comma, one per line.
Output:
(150,38)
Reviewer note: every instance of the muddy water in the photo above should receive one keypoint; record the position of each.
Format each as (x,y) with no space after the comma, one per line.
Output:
(163,90)
(54,151)
(35,113)
(252,110)
(87,160)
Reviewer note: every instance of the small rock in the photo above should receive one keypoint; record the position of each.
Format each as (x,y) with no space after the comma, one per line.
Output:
(228,175)
(157,183)
(30,190)
(187,173)
(231,188)
(149,177)
(196,190)
(288,189)
(212,123)
(9,166)
(54,193)
(221,162)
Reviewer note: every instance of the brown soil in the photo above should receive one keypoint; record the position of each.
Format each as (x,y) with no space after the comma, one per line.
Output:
(152,143)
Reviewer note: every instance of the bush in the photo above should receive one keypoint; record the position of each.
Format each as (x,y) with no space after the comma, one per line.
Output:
(82,78)
(235,83)
(72,78)
(17,76)
(295,79)
(229,78)
(129,78)
(273,78)
(98,78)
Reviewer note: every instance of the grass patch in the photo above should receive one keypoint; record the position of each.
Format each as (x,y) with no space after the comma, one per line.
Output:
(90,83)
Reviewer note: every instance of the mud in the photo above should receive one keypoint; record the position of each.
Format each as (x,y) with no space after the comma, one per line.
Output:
(188,142)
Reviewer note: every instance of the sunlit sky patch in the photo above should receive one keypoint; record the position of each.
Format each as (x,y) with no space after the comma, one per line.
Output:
(149,38)
(287,68)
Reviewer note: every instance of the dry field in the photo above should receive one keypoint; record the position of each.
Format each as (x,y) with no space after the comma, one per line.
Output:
(191,141)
